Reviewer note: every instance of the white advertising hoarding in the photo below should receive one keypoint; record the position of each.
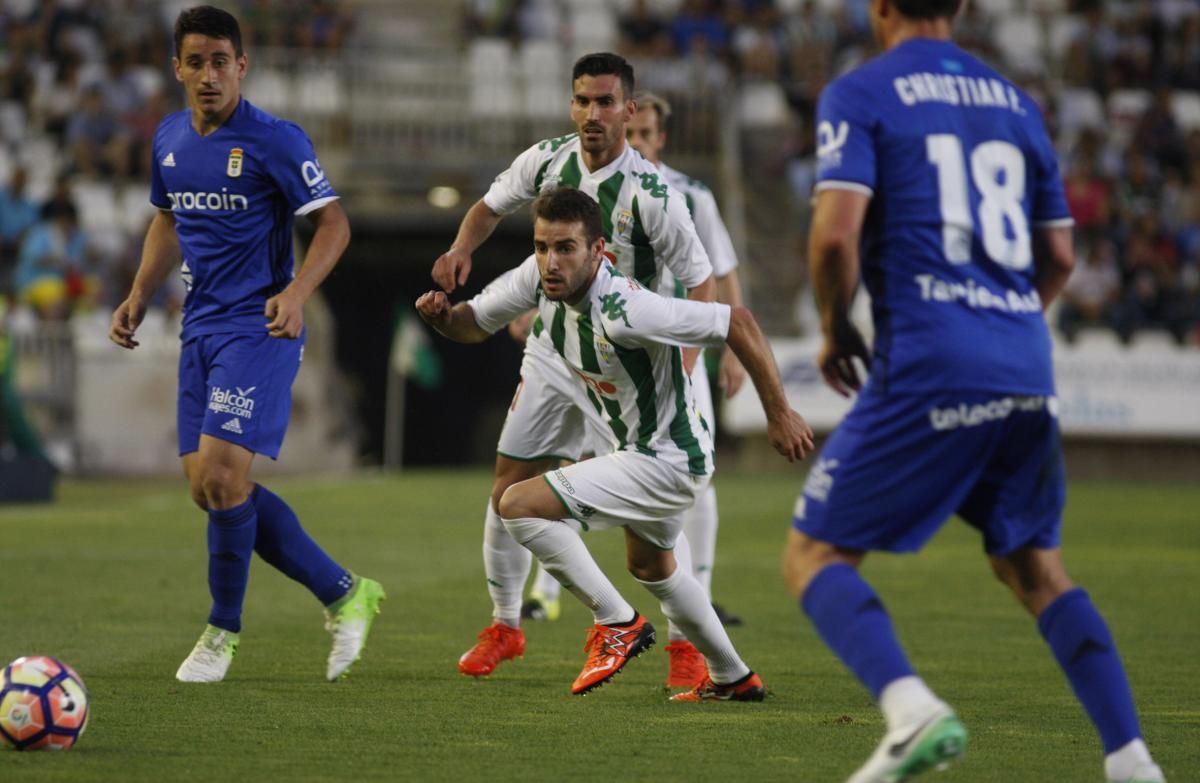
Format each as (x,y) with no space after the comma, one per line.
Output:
(1103,390)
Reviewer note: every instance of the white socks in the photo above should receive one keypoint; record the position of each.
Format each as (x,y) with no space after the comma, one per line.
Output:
(506,564)
(684,603)
(907,700)
(545,585)
(564,555)
(700,527)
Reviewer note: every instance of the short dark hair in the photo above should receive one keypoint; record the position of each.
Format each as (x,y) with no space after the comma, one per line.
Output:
(605,64)
(569,205)
(209,21)
(927,9)
(662,109)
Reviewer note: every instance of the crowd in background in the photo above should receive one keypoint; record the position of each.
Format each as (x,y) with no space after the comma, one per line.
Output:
(83,84)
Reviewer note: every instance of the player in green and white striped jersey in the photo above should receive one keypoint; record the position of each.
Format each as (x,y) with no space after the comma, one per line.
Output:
(623,343)
(647,229)
(647,134)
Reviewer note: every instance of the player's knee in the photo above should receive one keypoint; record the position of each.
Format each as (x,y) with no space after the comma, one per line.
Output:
(511,504)
(223,488)
(648,569)
(198,496)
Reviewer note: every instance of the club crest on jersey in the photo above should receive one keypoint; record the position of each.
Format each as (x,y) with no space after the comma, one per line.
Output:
(234,167)
(624,220)
(604,348)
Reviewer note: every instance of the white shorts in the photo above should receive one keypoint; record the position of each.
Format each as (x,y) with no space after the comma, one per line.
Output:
(628,489)
(544,420)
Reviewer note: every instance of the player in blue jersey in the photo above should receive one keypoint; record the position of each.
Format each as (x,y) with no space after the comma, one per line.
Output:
(227,179)
(938,173)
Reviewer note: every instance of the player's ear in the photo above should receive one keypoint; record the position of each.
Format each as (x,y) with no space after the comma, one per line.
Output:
(243,63)
(178,66)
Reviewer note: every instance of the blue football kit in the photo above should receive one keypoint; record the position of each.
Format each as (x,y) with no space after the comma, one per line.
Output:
(234,194)
(958,414)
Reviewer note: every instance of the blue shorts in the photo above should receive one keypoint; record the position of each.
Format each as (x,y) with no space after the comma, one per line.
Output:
(237,387)
(898,466)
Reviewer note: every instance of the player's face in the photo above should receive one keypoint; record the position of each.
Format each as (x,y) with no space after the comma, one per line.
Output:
(644,135)
(600,111)
(211,73)
(565,259)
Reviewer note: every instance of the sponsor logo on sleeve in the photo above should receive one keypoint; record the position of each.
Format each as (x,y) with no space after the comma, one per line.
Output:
(314,177)
(830,142)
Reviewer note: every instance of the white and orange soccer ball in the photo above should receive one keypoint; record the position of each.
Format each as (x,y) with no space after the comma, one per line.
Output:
(43,705)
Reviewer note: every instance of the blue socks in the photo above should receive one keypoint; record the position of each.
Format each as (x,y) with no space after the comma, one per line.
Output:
(852,621)
(283,543)
(230,544)
(1085,650)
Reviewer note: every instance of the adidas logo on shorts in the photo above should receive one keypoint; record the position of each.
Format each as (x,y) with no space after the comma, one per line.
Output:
(233,425)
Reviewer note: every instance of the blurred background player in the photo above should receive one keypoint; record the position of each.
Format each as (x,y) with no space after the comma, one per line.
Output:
(227,179)
(648,135)
(647,228)
(942,171)
(623,345)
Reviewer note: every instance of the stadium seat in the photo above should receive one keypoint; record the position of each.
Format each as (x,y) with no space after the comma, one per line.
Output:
(1078,109)
(135,209)
(148,78)
(544,75)
(6,165)
(269,89)
(762,104)
(318,91)
(1185,106)
(1125,107)
(997,8)
(1096,340)
(1019,38)
(593,28)
(12,122)
(1064,29)
(490,70)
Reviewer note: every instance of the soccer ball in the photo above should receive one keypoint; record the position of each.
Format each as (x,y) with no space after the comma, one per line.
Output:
(43,705)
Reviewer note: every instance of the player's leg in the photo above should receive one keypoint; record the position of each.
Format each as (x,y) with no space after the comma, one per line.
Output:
(218,475)
(1018,505)
(1084,648)
(506,566)
(885,480)
(700,522)
(537,517)
(542,427)
(686,606)
(543,602)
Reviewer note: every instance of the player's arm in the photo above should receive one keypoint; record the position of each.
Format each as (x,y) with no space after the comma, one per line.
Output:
(731,374)
(789,434)
(286,309)
(833,259)
(160,254)
(455,322)
(452,267)
(705,292)
(1053,260)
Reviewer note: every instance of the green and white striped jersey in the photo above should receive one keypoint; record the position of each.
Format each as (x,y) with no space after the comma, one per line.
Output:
(623,344)
(646,223)
(702,206)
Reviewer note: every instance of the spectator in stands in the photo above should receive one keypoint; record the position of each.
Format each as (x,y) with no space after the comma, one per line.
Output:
(1157,134)
(1088,195)
(18,213)
(1156,298)
(759,44)
(698,19)
(54,101)
(1093,293)
(325,26)
(51,273)
(643,33)
(98,143)
(120,88)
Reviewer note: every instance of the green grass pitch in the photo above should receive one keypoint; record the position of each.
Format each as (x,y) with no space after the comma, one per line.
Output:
(111,579)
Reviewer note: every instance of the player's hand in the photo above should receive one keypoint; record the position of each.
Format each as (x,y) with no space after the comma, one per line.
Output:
(451,269)
(286,314)
(125,321)
(837,360)
(731,374)
(434,308)
(790,435)
(520,328)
